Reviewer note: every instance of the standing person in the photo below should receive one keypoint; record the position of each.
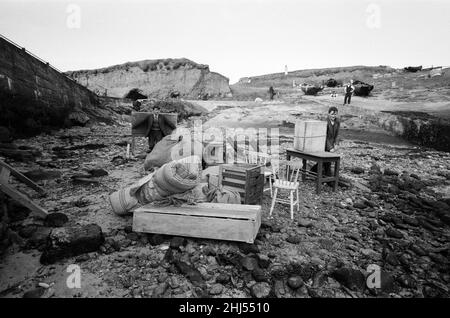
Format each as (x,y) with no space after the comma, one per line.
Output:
(333,125)
(158,126)
(271,92)
(349,89)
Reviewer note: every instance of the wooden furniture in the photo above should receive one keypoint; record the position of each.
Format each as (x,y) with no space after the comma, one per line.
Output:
(5,172)
(288,183)
(140,130)
(262,159)
(320,158)
(233,222)
(245,178)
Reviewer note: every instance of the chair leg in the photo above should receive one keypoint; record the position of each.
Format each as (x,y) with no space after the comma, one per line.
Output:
(270,186)
(291,195)
(298,202)
(273,202)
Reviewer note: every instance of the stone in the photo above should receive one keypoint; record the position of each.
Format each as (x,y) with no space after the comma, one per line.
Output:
(304,222)
(156,239)
(357,170)
(177,242)
(160,290)
(56,219)
(260,290)
(390,172)
(39,237)
(360,204)
(40,174)
(392,259)
(72,241)
(263,261)
(351,278)
(295,282)
(247,248)
(34,293)
(418,250)
(294,239)
(98,173)
(209,251)
(249,263)
(223,279)
(216,289)
(25,232)
(190,272)
(391,232)
(260,275)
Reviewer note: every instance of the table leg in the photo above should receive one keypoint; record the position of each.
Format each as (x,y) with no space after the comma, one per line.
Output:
(319,176)
(336,174)
(304,170)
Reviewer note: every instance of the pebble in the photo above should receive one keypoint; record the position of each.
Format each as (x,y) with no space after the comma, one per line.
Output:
(295,282)
(216,289)
(260,290)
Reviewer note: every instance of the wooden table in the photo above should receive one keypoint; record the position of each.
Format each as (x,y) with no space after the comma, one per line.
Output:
(320,158)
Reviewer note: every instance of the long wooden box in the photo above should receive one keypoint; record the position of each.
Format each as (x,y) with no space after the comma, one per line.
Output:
(310,135)
(233,222)
(247,179)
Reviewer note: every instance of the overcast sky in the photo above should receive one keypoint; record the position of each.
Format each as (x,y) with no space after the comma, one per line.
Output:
(235,38)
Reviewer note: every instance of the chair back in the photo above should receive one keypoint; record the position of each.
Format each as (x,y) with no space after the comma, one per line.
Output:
(281,172)
(258,158)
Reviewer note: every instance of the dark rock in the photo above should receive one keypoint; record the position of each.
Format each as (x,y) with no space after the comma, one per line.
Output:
(249,263)
(128,229)
(17,212)
(391,258)
(438,258)
(190,272)
(177,242)
(223,279)
(260,290)
(159,291)
(357,170)
(263,261)
(410,220)
(294,239)
(387,282)
(39,237)
(82,258)
(351,278)
(360,204)
(418,250)
(209,251)
(97,173)
(56,219)
(304,222)
(72,241)
(133,236)
(295,282)
(34,293)
(260,275)
(247,248)
(415,176)
(156,239)
(391,232)
(40,174)
(390,172)
(407,281)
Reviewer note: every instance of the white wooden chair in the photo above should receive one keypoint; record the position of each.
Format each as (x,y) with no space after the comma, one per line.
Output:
(286,183)
(262,159)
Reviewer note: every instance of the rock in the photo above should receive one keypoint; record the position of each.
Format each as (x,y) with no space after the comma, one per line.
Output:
(159,291)
(177,242)
(216,289)
(156,239)
(95,173)
(407,281)
(39,237)
(410,220)
(391,232)
(133,236)
(56,219)
(387,282)
(295,282)
(418,250)
(360,204)
(392,259)
(351,278)
(294,239)
(190,272)
(209,251)
(223,279)
(34,293)
(390,172)
(72,241)
(260,290)
(304,222)
(263,261)
(40,174)
(415,176)
(260,275)
(162,277)
(25,232)
(17,212)
(249,263)
(357,170)
(128,229)
(248,248)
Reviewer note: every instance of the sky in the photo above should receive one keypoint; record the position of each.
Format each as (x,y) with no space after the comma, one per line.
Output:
(236,38)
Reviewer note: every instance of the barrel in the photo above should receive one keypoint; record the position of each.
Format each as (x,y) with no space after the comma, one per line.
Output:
(310,135)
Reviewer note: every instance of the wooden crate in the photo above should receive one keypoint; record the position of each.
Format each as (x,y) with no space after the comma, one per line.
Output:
(233,222)
(310,135)
(247,179)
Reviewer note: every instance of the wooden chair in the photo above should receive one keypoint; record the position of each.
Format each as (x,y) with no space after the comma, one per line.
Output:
(286,183)
(262,159)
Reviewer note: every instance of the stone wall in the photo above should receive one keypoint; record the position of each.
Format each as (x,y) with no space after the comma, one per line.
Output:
(33,95)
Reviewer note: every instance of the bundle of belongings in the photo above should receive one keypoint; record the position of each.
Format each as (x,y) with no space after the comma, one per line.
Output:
(174,183)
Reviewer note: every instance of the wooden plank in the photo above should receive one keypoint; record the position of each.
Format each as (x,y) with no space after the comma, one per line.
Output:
(4,175)
(233,176)
(213,210)
(23,199)
(22,178)
(233,184)
(192,226)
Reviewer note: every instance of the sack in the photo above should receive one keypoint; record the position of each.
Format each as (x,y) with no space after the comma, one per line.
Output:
(179,176)
(122,201)
(161,153)
(224,195)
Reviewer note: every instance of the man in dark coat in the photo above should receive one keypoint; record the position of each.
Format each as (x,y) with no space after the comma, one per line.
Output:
(348,90)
